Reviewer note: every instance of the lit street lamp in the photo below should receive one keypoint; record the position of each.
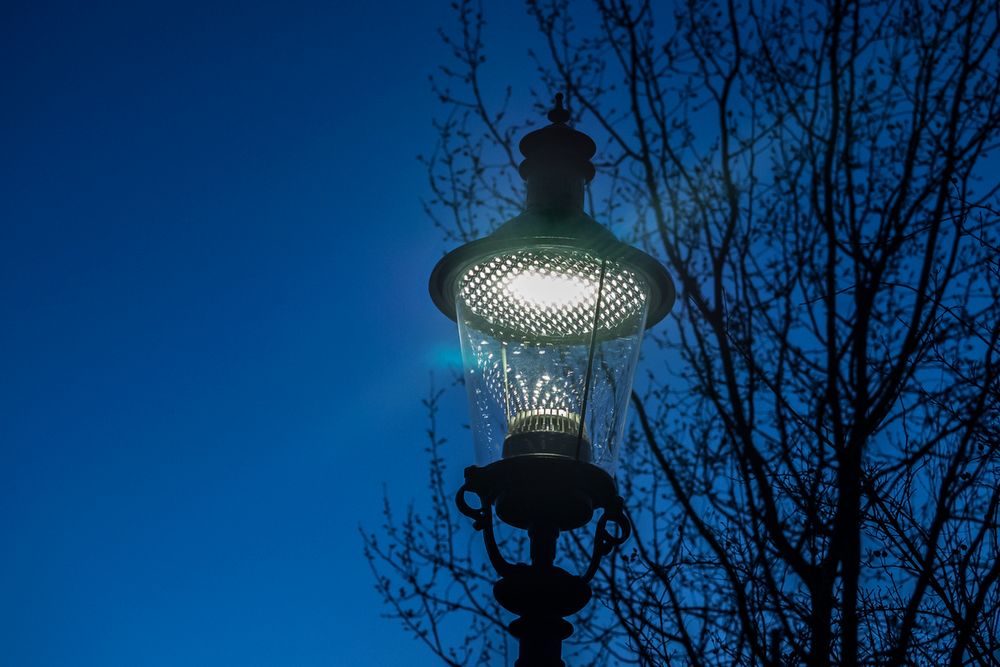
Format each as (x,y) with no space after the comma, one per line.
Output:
(550,310)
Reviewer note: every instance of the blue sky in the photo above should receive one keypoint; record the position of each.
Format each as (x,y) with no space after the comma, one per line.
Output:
(216,331)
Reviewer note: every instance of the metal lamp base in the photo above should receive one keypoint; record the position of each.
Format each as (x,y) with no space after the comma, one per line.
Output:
(543,490)
(543,494)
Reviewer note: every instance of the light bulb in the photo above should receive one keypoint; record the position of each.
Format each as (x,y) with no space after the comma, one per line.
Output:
(550,291)
(534,295)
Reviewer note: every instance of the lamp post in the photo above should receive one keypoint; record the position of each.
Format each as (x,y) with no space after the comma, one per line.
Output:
(550,310)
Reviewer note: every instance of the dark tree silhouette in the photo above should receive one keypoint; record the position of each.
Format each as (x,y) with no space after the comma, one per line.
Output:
(814,462)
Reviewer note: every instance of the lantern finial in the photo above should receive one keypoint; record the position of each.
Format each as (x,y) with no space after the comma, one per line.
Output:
(557,164)
(558,114)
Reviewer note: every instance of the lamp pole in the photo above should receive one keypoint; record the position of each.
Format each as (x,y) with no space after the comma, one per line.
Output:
(550,309)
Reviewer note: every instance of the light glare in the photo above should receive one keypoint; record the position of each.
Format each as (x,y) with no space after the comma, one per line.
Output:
(531,295)
(535,289)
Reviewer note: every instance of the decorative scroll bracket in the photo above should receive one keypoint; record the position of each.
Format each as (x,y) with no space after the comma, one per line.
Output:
(543,495)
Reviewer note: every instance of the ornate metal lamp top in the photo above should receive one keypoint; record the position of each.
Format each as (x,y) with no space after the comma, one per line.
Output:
(557,153)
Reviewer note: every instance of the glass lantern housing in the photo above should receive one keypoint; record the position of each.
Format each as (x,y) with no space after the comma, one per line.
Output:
(550,339)
(550,310)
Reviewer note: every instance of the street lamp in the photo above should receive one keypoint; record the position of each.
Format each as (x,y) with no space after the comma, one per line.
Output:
(550,310)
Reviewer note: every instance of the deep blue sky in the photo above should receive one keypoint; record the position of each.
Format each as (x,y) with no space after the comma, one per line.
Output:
(215,330)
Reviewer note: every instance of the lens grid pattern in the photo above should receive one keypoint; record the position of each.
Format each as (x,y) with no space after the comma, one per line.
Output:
(550,293)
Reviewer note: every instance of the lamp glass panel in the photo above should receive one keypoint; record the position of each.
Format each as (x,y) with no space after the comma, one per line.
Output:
(527,321)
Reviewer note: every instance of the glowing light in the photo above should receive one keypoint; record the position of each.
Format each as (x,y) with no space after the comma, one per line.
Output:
(548,291)
(535,294)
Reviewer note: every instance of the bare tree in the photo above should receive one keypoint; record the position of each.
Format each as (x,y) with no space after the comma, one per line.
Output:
(814,465)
